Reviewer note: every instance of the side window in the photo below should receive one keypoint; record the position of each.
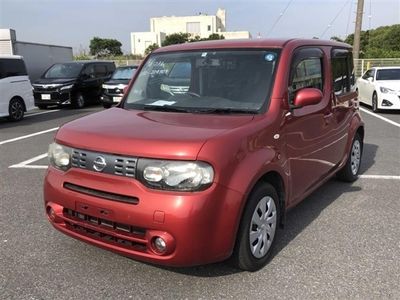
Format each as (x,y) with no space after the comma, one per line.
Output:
(88,71)
(306,73)
(110,69)
(12,67)
(343,71)
(101,70)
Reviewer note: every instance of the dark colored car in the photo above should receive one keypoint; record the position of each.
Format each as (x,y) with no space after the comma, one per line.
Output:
(191,178)
(73,83)
(113,90)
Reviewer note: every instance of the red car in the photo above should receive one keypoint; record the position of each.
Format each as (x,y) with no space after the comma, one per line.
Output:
(201,164)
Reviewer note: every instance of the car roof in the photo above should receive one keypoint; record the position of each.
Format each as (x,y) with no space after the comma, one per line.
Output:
(385,68)
(250,43)
(11,57)
(130,66)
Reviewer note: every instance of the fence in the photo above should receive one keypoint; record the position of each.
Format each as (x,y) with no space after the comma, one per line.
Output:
(362,65)
(127,62)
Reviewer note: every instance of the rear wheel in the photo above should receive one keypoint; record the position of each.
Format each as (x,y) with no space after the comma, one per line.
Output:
(375,102)
(351,169)
(258,229)
(16,109)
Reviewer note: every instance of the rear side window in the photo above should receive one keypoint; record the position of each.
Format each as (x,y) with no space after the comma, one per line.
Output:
(12,67)
(101,70)
(342,71)
(306,71)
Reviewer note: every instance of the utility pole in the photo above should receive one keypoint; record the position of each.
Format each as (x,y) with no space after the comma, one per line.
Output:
(357,32)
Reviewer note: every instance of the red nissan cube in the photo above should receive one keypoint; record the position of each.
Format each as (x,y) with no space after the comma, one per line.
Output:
(211,145)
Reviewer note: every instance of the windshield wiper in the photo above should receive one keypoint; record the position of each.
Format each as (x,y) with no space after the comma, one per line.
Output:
(226,111)
(167,108)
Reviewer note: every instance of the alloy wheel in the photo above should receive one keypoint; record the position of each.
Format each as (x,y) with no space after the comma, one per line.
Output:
(16,110)
(355,157)
(263,227)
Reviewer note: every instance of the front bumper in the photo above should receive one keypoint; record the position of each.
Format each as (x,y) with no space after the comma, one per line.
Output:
(199,227)
(55,98)
(109,98)
(389,100)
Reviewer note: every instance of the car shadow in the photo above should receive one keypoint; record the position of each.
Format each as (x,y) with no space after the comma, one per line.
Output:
(297,219)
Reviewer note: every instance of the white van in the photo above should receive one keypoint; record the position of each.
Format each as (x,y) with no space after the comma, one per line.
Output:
(16,95)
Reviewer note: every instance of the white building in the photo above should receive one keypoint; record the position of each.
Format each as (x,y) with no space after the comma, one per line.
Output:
(201,25)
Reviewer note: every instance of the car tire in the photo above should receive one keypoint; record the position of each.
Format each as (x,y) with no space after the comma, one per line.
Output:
(106,105)
(375,102)
(258,229)
(16,109)
(351,169)
(80,101)
(42,106)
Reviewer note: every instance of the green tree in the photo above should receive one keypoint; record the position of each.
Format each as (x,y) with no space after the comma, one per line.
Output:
(104,47)
(215,36)
(151,48)
(176,38)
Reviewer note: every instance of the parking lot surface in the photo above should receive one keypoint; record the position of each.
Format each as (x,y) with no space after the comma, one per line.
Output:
(341,242)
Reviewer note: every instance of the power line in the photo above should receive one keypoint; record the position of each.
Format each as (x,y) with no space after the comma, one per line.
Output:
(334,19)
(279,17)
(349,18)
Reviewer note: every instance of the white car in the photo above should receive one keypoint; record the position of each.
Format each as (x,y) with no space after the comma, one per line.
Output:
(16,95)
(380,88)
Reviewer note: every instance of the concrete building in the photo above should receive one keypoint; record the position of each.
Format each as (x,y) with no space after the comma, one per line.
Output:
(201,25)
(37,57)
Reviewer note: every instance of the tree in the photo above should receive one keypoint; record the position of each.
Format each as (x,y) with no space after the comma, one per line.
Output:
(151,48)
(176,38)
(337,39)
(104,47)
(215,36)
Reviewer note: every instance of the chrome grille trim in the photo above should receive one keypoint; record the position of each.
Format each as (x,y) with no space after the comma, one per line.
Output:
(115,164)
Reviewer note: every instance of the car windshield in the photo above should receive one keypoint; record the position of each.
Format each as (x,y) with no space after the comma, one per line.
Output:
(124,73)
(67,70)
(388,74)
(236,81)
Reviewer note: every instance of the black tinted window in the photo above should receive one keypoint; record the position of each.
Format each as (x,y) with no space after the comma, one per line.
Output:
(12,67)
(101,70)
(342,71)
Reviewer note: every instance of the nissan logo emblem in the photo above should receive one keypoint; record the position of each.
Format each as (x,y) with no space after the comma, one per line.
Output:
(99,163)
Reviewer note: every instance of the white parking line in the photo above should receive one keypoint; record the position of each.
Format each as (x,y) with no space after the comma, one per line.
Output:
(380,177)
(41,113)
(28,136)
(380,117)
(25,163)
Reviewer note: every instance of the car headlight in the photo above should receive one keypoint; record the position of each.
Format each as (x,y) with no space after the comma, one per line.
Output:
(175,175)
(386,90)
(60,156)
(66,87)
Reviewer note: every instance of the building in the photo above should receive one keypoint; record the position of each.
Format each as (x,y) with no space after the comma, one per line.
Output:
(201,25)
(37,57)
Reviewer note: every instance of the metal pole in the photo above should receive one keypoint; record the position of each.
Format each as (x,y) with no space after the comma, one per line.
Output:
(357,32)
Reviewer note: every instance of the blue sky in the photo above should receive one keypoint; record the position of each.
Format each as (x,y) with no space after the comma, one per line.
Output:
(74,23)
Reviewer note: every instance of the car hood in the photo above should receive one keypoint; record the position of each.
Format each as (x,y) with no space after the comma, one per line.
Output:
(147,133)
(390,84)
(60,81)
(117,82)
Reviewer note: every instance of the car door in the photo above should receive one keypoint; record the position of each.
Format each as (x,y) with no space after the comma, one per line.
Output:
(308,130)
(364,86)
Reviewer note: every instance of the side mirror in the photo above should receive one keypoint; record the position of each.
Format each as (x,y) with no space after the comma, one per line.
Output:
(370,79)
(306,97)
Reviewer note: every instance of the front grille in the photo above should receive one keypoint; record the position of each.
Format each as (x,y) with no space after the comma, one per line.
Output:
(178,89)
(124,235)
(115,164)
(101,194)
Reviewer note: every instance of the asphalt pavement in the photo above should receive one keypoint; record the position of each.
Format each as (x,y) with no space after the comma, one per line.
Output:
(341,242)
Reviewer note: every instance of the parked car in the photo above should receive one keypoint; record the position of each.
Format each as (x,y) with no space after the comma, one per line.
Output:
(15,88)
(76,83)
(113,90)
(380,88)
(197,177)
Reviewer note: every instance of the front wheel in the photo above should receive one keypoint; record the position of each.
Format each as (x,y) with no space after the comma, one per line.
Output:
(16,109)
(351,169)
(258,229)
(80,101)
(375,103)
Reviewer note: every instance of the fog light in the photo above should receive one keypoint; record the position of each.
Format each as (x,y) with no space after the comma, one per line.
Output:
(51,213)
(160,245)
(386,103)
